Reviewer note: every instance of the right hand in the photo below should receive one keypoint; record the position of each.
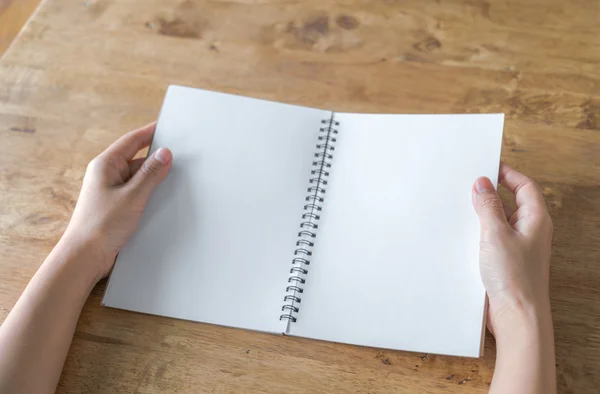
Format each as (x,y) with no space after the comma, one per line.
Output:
(514,250)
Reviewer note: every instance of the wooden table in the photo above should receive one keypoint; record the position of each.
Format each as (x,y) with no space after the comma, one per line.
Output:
(85,71)
(13,14)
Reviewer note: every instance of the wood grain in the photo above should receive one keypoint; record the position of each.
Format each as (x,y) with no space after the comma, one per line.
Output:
(84,72)
(13,15)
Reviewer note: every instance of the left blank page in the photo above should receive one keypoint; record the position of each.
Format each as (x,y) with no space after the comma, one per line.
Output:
(216,239)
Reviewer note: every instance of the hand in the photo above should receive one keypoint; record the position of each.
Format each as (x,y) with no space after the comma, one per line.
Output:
(515,248)
(37,333)
(115,190)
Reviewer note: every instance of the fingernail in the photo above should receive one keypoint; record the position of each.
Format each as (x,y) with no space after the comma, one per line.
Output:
(162,155)
(483,185)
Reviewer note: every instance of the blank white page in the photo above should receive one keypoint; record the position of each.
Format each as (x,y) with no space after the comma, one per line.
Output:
(395,262)
(216,240)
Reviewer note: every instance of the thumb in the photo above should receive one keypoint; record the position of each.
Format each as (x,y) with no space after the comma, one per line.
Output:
(487,204)
(152,172)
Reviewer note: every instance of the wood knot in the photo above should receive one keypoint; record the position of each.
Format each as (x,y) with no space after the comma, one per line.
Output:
(347,22)
(428,44)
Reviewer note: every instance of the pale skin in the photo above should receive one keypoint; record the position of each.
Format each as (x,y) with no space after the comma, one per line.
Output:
(514,265)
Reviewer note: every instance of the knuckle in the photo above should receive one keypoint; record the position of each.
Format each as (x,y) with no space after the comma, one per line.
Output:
(150,167)
(491,203)
(96,164)
(526,183)
(529,181)
(92,164)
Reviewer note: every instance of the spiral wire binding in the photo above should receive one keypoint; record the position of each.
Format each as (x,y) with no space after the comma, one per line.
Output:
(310,218)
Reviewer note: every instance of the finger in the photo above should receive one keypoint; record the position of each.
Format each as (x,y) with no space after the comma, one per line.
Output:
(488,205)
(508,201)
(131,143)
(152,172)
(524,188)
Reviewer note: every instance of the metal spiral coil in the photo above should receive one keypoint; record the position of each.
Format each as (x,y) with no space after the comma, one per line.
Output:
(310,218)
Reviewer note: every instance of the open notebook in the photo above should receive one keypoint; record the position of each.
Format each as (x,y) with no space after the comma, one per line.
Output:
(354,228)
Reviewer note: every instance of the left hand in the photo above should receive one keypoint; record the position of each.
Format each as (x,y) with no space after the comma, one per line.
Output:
(115,190)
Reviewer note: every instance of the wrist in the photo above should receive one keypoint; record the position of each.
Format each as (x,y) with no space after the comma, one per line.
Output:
(527,323)
(82,255)
(525,359)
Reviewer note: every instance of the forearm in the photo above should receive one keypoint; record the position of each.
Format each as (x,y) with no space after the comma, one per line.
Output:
(36,335)
(525,361)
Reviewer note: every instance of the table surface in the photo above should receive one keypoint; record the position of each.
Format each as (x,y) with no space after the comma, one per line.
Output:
(83,72)
(13,14)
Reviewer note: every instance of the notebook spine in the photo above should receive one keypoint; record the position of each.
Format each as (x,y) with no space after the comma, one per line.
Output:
(317,187)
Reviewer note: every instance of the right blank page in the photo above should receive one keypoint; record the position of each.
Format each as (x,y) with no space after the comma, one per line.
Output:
(395,262)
